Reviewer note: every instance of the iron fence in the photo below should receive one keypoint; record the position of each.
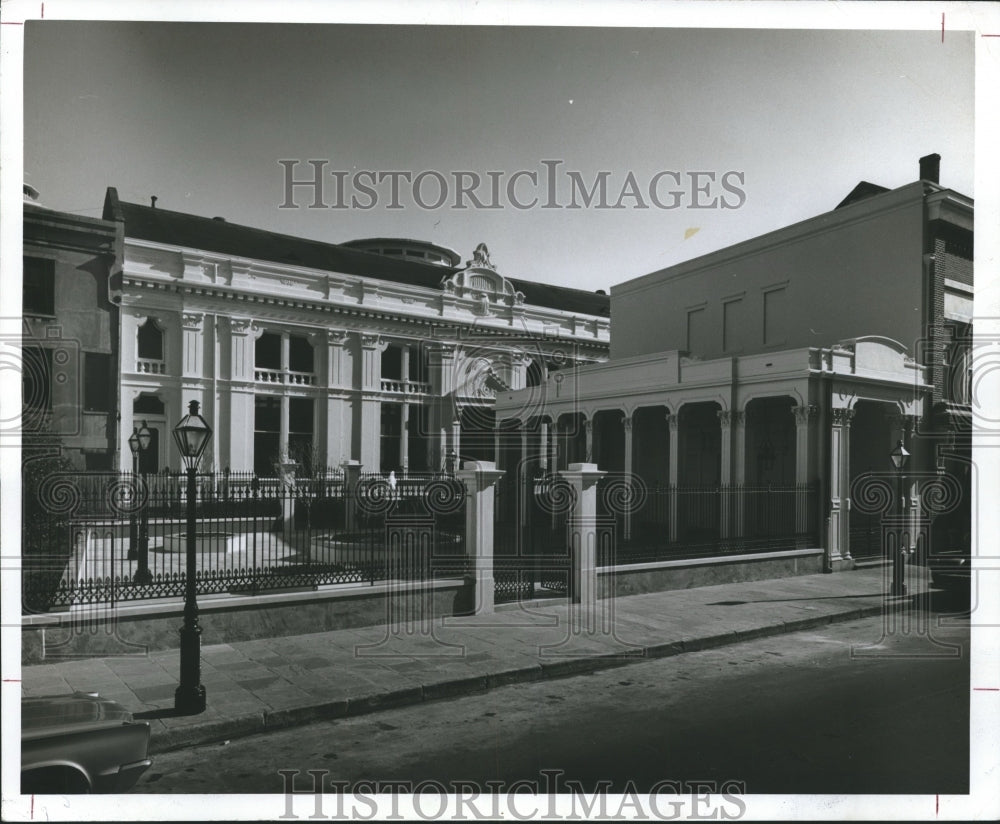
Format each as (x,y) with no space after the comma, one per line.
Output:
(117,537)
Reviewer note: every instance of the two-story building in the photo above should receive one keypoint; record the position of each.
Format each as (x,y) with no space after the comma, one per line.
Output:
(384,351)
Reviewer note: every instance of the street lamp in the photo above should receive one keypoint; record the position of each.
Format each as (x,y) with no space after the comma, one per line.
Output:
(133,445)
(192,435)
(899,455)
(142,574)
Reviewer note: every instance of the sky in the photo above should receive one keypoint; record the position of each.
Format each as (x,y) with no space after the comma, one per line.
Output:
(199,114)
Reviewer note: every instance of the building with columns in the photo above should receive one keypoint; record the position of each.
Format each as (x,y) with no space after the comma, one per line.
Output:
(796,359)
(384,351)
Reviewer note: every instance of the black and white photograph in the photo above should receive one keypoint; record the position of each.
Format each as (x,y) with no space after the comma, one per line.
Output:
(451,411)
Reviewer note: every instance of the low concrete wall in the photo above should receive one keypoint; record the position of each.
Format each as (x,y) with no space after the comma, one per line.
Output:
(635,579)
(134,628)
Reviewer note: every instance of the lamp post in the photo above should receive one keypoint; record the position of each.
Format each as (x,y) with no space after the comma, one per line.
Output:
(192,435)
(142,574)
(133,445)
(899,456)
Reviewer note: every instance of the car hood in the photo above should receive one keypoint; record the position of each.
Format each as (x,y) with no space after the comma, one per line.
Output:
(75,712)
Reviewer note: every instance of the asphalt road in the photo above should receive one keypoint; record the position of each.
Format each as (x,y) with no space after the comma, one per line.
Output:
(791,714)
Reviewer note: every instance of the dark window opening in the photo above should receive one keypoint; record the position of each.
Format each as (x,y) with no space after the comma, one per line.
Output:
(535,374)
(97,382)
(39,286)
(300,433)
(392,363)
(300,354)
(391,431)
(267,428)
(150,341)
(267,351)
(148,405)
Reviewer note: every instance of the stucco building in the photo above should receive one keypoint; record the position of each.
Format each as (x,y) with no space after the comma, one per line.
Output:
(384,351)
(798,359)
(70,335)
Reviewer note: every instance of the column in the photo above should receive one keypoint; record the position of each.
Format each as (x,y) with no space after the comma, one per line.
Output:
(588,426)
(404,365)
(497,447)
(838,534)
(582,527)
(804,415)
(369,381)
(673,424)
(242,337)
(404,437)
(901,428)
(725,473)
(739,472)
(524,475)
(543,445)
(338,380)
(480,478)
(627,425)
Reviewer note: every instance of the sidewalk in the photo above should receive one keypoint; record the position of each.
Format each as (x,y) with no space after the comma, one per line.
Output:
(281,682)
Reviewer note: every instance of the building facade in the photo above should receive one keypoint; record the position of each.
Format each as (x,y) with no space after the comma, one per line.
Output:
(798,358)
(388,352)
(70,336)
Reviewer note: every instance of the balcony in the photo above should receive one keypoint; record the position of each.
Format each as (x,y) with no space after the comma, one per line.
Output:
(150,366)
(288,378)
(399,387)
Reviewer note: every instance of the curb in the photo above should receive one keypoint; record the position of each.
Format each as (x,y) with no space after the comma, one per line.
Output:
(268,720)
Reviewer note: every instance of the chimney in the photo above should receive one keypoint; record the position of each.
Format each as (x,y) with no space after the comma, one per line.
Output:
(152,201)
(930,168)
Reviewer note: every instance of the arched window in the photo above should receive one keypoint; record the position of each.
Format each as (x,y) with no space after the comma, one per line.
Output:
(150,341)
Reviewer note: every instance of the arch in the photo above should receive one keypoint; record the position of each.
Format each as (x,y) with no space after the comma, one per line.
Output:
(150,340)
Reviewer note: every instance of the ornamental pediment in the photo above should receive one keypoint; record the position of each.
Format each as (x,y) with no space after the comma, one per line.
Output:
(480,281)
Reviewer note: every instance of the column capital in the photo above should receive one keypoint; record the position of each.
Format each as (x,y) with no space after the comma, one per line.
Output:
(588,424)
(725,416)
(192,320)
(373,342)
(479,475)
(673,421)
(804,414)
(240,326)
(842,417)
(337,337)
(627,422)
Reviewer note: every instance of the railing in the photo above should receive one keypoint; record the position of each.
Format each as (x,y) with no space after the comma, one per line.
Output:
(150,366)
(405,387)
(288,378)
(112,537)
(665,522)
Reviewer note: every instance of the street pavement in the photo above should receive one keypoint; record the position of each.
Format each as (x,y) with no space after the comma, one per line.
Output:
(271,683)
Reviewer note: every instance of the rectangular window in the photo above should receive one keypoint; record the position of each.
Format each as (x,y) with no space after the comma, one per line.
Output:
(732,320)
(267,427)
(300,354)
(775,309)
(97,382)
(697,331)
(39,286)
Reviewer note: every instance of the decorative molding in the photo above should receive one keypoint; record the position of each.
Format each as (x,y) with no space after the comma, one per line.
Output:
(842,417)
(193,321)
(240,326)
(804,414)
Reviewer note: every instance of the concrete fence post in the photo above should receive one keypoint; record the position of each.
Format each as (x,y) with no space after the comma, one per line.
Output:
(582,531)
(352,478)
(480,478)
